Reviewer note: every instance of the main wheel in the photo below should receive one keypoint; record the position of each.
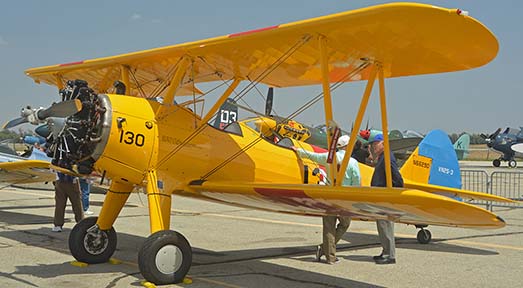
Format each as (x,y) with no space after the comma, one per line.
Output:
(496,162)
(165,257)
(91,245)
(512,163)
(424,236)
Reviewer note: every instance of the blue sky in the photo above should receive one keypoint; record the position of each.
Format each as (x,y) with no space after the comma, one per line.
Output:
(37,33)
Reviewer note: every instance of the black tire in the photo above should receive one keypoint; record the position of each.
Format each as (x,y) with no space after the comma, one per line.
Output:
(512,163)
(91,247)
(156,261)
(424,236)
(496,162)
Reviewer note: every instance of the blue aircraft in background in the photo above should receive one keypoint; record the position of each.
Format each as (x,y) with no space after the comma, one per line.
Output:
(504,142)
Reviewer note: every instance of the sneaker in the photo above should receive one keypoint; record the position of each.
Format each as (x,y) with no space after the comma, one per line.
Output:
(336,261)
(57,229)
(88,212)
(319,252)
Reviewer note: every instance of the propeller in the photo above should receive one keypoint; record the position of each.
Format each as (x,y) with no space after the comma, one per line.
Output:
(491,137)
(15,122)
(36,116)
(268,102)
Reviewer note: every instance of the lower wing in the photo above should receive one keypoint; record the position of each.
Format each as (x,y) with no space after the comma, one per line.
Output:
(409,206)
(26,171)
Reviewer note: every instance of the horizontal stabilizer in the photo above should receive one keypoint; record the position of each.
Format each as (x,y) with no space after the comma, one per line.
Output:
(466,194)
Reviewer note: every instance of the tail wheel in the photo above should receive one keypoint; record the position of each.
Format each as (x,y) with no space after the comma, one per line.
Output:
(424,236)
(91,245)
(496,162)
(512,163)
(165,257)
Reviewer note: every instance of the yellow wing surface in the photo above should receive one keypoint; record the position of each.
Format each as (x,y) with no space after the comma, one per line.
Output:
(407,38)
(402,205)
(26,171)
(467,194)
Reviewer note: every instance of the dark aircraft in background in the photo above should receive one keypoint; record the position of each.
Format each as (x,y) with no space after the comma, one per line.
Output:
(403,143)
(503,142)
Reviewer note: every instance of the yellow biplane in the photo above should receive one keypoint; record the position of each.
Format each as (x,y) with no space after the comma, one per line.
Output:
(139,136)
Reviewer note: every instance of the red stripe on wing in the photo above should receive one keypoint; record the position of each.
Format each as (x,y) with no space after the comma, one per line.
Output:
(71,63)
(253,31)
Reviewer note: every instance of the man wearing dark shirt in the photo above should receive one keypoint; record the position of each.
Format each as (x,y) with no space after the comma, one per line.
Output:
(385,227)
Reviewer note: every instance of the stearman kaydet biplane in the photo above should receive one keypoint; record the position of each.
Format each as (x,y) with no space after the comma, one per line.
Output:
(136,134)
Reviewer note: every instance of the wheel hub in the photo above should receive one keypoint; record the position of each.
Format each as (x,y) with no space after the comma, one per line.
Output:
(169,259)
(95,241)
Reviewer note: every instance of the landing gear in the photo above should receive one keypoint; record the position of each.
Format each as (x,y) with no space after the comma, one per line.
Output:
(512,163)
(424,236)
(165,257)
(91,245)
(496,162)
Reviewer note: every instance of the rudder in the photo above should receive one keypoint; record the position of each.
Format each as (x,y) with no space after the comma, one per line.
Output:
(433,162)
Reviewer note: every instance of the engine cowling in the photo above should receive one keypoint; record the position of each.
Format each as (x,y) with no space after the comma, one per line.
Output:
(112,134)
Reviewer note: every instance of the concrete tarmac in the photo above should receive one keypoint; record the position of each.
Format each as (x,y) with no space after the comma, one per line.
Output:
(237,247)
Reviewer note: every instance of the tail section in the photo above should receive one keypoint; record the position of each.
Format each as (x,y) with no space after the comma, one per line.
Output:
(433,167)
(461,146)
(433,162)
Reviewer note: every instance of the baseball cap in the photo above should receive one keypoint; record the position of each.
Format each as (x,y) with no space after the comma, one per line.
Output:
(343,141)
(377,137)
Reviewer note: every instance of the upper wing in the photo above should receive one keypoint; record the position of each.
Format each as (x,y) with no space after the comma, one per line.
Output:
(26,171)
(368,203)
(407,38)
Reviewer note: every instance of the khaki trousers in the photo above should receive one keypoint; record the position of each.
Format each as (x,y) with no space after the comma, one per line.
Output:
(332,234)
(64,190)
(386,235)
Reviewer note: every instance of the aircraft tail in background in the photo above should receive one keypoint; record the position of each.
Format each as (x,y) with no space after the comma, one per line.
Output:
(462,146)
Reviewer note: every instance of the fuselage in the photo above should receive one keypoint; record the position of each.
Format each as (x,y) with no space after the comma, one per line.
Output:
(137,138)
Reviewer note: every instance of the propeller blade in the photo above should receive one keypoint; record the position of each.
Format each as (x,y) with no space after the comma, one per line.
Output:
(493,135)
(61,109)
(268,102)
(15,122)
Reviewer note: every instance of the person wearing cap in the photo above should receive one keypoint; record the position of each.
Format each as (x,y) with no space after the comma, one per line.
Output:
(332,233)
(385,227)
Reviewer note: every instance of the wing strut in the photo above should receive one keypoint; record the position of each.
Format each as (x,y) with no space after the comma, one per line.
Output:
(385,126)
(174,85)
(377,68)
(220,101)
(124,74)
(327,100)
(357,122)
(59,82)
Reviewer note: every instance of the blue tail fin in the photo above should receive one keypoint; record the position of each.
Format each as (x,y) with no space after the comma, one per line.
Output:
(434,162)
